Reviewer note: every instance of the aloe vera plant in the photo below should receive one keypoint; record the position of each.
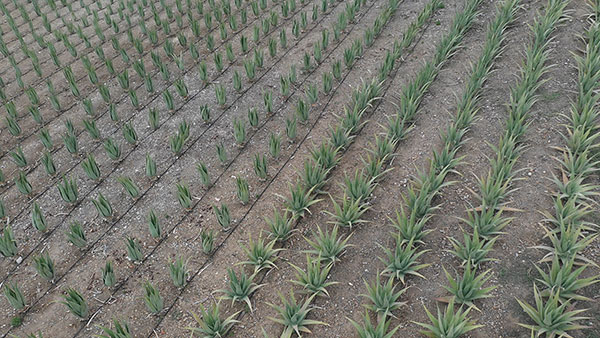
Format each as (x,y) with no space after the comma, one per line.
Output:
(383,297)
(8,244)
(130,186)
(75,302)
(240,288)
(134,250)
(37,218)
(76,235)
(223,216)
(68,190)
(210,322)
(108,274)
(44,265)
(178,271)
(103,206)
(313,280)
(260,254)
(120,329)
(152,298)
(15,297)
(293,315)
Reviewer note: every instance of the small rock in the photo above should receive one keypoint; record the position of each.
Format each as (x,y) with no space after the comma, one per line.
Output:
(19,260)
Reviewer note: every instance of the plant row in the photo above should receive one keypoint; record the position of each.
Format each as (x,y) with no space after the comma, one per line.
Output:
(560,282)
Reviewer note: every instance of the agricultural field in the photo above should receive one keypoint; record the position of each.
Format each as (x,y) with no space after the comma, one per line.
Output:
(287,168)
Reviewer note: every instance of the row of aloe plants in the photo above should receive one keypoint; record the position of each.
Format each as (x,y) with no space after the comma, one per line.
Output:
(558,288)
(402,261)
(127,183)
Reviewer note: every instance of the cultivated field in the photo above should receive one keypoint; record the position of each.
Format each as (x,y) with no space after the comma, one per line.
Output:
(284,168)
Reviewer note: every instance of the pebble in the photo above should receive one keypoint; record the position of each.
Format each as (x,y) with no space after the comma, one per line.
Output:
(19,260)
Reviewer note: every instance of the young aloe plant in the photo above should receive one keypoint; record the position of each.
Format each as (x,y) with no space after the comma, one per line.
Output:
(92,129)
(112,149)
(223,216)
(134,250)
(243,191)
(48,162)
(23,184)
(349,212)
(154,226)
(44,265)
(327,245)
(293,315)
(222,154)
(208,239)
(253,118)
(239,131)
(291,128)
(75,302)
(18,157)
(108,274)
(183,195)
(37,218)
(8,244)
(152,298)
(150,166)
(260,255)
(367,329)
(103,206)
(314,279)
(120,330)
(383,297)
(129,185)
(240,288)
(299,201)
(153,118)
(280,226)
(237,81)
(15,297)
(403,260)
(76,235)
(274,145)
(211,324)
(221,94)
(260,166)
(129,133)
(68,190)
(450,323)
(178,272)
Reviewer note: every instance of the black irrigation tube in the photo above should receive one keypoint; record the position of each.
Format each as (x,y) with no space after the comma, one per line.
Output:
(124,97)
(101,64)
(201,198)
(153,183)
(203,266)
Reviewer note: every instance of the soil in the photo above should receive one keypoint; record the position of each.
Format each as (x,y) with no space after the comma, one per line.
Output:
(512,272)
